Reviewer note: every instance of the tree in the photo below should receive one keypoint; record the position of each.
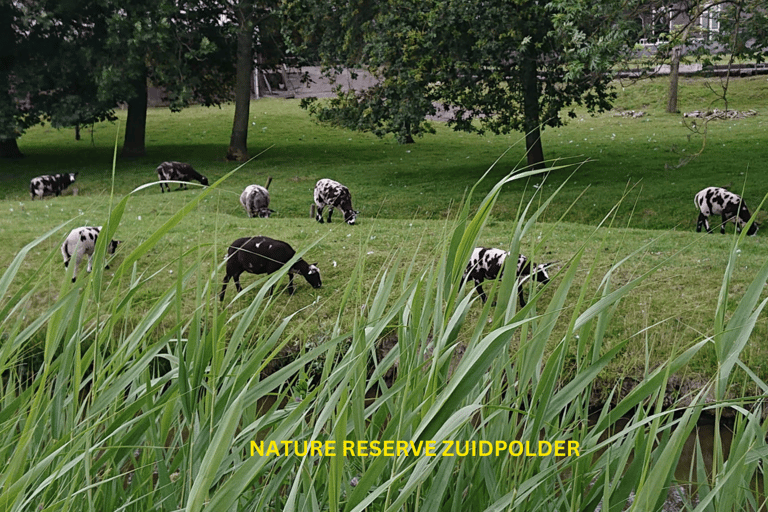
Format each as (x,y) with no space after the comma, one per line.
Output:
(10,114)
(71,63)
(256,26)
(498,65)
(45,70)
(238,142)
(181,46)
(702,30)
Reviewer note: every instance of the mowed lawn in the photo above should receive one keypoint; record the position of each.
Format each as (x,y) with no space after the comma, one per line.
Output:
(621,173)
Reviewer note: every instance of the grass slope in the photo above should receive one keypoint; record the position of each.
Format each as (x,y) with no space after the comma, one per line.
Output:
(404,192)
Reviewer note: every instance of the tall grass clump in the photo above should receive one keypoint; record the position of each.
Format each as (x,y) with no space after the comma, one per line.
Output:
(177,412)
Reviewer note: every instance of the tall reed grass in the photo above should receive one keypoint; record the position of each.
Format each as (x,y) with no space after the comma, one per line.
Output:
(170,413)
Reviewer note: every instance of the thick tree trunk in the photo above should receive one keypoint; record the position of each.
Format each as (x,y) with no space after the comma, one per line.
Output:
(9,148)
(674,79)
(532,114)
(136,125)
(238,141)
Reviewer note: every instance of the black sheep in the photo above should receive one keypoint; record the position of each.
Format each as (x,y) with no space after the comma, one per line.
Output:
(262,255)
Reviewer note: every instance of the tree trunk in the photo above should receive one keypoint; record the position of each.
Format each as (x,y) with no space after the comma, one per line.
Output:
(9,148)
(531,112)
(674,79)
(136,125)
(238,141)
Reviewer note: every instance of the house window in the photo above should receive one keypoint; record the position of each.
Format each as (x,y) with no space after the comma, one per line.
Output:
(709,21)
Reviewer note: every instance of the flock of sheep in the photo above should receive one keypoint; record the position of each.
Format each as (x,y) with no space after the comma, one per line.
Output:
(263,255)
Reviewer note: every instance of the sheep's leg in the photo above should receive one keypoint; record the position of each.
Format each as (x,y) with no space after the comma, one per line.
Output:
(90,262)
(703,221)
(330,212)
(520,296)
(224,287)
(726,218)
(479,290)
(291,288)
(319,215)
(78,258)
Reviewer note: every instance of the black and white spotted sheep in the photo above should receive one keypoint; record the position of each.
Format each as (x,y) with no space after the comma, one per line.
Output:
(263,255)
(487,264)
(255,200)
(718,201)
(81,242)
(50,185)
(178,171)
(333,194)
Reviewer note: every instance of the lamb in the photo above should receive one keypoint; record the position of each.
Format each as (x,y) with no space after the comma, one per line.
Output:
(49,185)
(487,264)
(80,242)
(255,200)
(718,201)
(178,171)
(333,194)
(263,255)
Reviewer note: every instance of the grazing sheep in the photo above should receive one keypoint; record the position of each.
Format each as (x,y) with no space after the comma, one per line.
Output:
(255,200)
(81,242)
(262,255)
(487,264)
(178,171)
(50,185)
(333,194)
(718,201)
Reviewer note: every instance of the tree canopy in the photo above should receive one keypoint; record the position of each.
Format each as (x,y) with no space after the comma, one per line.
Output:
(498,65)
(71,63)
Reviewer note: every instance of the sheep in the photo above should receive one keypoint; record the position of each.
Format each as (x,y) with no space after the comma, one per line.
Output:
(263,255)
(178,171)
(333,194)
(80,242)
(718,201)
(487,264)
(255,200)
(49,185)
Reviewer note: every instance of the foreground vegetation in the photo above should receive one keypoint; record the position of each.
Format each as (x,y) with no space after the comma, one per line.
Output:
(136,389)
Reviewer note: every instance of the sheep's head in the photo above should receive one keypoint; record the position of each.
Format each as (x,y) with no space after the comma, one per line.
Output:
(350,216)
(540,273)
(112,247)
(313,276)
(265,212)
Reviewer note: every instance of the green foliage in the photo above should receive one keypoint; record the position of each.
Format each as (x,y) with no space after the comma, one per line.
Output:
(502,66)
(743,29)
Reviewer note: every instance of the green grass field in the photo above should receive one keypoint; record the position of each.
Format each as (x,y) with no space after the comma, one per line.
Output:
(112,365)
(405,193)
